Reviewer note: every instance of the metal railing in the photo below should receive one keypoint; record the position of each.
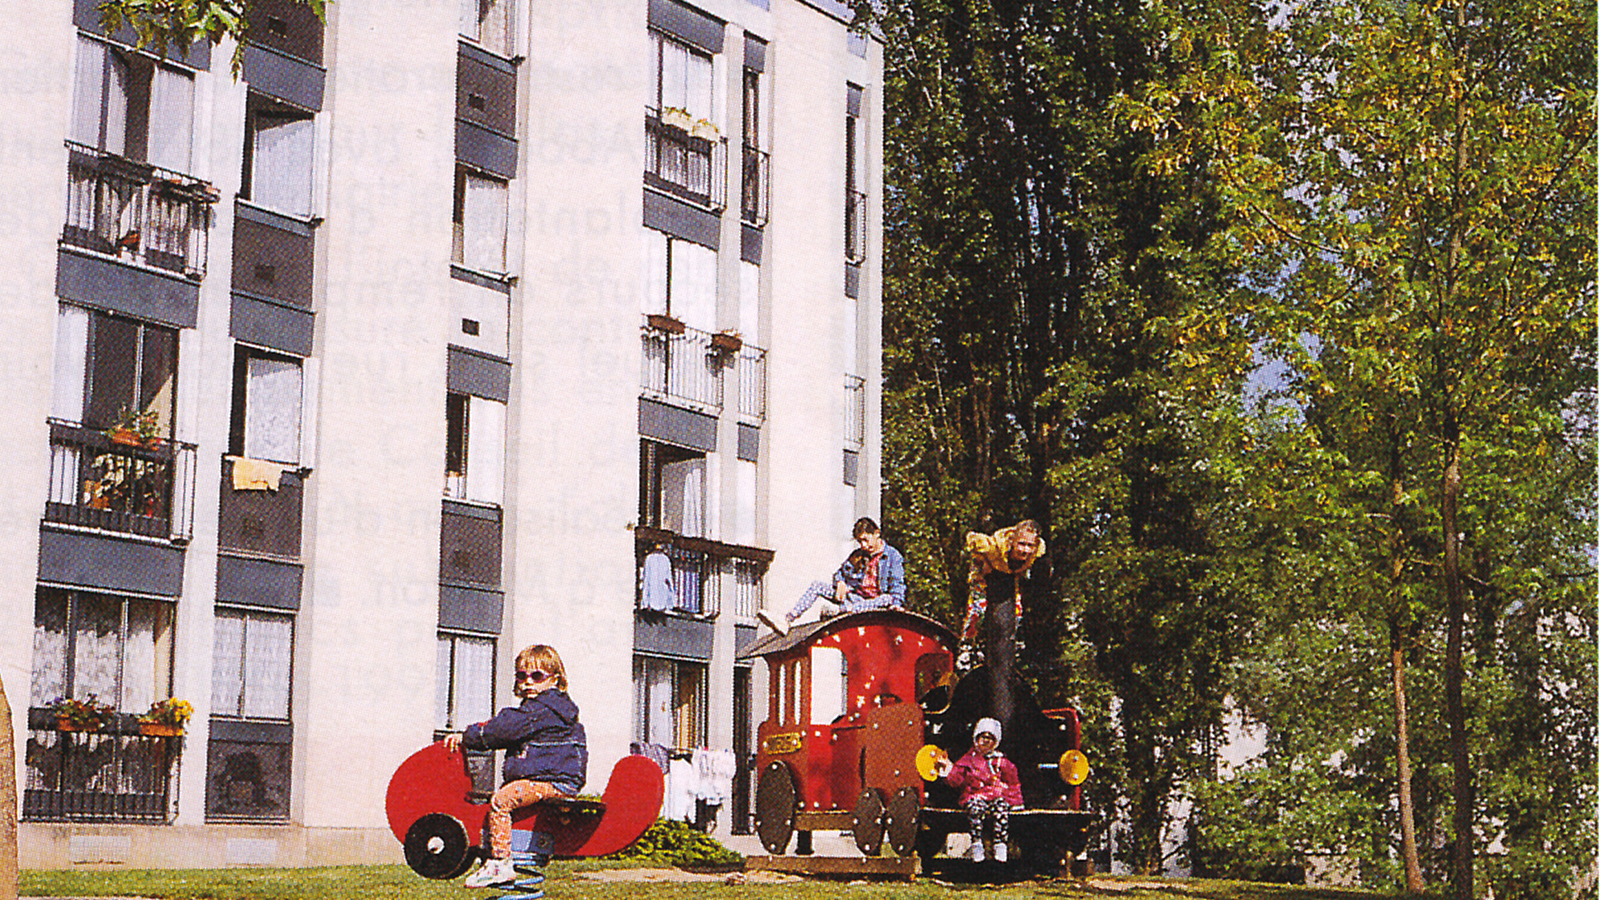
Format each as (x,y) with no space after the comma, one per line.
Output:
(99,777)
(684,164)
(748,587)
(143,489)
(697,566)
(136,211)
(752,385)
(680,365)
(855,411)
(855,226)
(755,186)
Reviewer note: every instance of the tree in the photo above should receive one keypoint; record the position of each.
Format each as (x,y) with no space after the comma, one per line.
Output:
(161,24)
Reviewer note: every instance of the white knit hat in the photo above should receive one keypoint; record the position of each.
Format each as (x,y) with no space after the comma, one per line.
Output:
(986,726)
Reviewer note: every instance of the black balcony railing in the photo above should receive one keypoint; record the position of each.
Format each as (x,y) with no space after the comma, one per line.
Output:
(133,210)
(696,565)
(113,775)
(752,385)
(96,482)
(756,186)
(855,226)
(855,411)
(680,365)
(684,164)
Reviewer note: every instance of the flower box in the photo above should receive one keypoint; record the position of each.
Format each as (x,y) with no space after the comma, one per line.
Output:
(726,342)
(159,729)
(665,323)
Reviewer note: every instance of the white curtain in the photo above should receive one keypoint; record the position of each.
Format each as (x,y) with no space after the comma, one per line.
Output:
(97,647)
(654,690)
(88,92)
(171,119)
(49,649)
(272,409)
(750,302)
(683,493)
(694,285)
(281,164)
(654,281)
(483,219)
(147,655)
(474,680)
(227,657)
(467,19)
(685,79)
(744,507)
(72,359)
(269,641)
(486,442)
(442,674)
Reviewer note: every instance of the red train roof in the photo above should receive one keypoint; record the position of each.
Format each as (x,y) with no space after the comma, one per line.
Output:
(812,633)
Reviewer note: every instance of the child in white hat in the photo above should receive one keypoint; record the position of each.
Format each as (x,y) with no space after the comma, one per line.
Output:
(989,791)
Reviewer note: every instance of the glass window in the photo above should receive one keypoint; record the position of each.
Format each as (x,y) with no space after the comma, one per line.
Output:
(464,691)
(116,649)
(488,22)
(683,77)
(108,366)
(680,280)
(280,143)
(481,215)
(129,105)
(669,702)
(267,392)
(475,435)
(252,653)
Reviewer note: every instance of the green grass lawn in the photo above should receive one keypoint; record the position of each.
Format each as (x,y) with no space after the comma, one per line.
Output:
(361,882)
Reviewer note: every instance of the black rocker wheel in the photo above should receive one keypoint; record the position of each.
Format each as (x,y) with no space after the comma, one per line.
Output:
(776,803)
(866,822)
(900,819)
(436,846)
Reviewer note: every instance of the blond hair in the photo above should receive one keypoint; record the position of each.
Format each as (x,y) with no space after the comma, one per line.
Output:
(544,658)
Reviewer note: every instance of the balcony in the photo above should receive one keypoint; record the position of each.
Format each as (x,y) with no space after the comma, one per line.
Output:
(855,411)
(681,365)
(756,186)
(95,482)
(113,775)
(855,227)
(686,165)
(696,565)
(136,211)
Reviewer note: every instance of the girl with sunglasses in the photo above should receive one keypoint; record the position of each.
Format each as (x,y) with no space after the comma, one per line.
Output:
(547,752)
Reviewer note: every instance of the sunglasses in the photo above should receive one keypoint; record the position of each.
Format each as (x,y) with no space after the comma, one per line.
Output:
(535,676)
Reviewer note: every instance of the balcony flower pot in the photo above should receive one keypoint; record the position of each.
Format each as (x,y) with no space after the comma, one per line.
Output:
(674,117)
(705,130)
(665,323)
(157,729)
(125,437)
(65,724)
(727,342)
(81,715)
(166,718)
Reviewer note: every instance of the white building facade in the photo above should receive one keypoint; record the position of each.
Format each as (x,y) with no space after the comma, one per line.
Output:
(338,382)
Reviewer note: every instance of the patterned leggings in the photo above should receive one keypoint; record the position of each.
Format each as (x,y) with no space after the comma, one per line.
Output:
(513,795)
(996,811)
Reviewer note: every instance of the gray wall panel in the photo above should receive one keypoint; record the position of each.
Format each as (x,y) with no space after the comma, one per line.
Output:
(259,582)
(677,426)
(291,80)
(682,220)
(468,372)
(113,286)
(468,609)
(749,442)
(108,563)
(672,636)
(272,325)
(687,23)
(480,147)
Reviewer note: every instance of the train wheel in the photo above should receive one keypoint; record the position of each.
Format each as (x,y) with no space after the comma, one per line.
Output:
(866,822)
(900,819)
(436,846)
(776,804)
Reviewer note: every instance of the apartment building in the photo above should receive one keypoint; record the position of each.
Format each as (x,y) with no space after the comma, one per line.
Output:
(337,381)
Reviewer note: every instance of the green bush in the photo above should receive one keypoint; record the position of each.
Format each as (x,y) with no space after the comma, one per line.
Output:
(676,843)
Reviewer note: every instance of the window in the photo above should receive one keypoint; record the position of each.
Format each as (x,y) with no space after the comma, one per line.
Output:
(480,218)
(251,659)
(278,156)
(680,280)
(475,429)
(118,649)
(488,22)
(855,199)
(669,702)
(754,175)
(108,367)
(464,688)
(128,105)
(267,391)
(672,489)
(683,78)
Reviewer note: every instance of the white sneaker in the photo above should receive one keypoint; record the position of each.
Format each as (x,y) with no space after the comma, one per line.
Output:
(975,852)
(494,871)
(773,620)
(999,851)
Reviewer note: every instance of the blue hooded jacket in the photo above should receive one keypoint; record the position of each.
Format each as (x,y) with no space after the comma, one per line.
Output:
(542,738)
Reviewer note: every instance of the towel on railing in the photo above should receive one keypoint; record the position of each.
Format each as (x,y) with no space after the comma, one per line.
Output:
(655,582)
(256,474)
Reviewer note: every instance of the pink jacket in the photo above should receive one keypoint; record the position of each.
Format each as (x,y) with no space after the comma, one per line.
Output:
(986,778)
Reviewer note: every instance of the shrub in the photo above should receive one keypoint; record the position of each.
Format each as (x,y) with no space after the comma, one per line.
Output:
(671,842)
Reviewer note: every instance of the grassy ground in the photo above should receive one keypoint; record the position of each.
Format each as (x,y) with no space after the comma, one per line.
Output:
(362,882)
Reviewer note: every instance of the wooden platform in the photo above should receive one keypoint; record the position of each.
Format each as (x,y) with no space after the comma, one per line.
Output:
(904,868)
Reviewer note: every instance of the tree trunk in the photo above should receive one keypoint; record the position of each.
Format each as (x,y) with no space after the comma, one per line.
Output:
(1402,753)
(8,802)
(1455,710)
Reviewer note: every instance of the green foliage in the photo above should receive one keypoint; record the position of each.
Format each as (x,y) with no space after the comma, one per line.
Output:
(672,842)
(163,25)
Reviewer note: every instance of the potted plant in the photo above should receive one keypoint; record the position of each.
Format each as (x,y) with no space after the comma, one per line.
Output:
(665,323)
(727,341)
(136,428)
(705,129)
(675,117)
(81,715)
(166,718)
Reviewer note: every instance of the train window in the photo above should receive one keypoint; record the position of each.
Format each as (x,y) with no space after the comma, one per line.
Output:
(829,684)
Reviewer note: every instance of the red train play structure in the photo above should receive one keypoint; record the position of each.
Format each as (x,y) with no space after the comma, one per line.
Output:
(432,812)
(860,705)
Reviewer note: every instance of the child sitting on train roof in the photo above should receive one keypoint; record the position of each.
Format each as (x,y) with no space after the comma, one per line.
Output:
(842,590)
(989,788)
(878,582)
